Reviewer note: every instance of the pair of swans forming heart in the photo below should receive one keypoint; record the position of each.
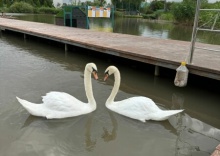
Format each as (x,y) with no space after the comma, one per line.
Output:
(57,105)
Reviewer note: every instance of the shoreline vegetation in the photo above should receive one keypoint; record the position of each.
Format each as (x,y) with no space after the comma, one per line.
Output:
(178,13)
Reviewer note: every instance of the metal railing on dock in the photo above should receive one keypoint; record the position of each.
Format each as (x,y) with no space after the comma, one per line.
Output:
(196,28)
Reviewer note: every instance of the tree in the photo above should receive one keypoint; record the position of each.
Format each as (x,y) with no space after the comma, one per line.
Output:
(37,3)
(58,5)
(184,11)
(1,3)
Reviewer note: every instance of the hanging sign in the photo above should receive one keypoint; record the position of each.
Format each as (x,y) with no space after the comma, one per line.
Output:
(99,12)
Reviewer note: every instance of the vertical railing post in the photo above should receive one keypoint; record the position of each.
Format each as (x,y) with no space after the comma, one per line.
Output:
(87,18)
(113,17)
(195,29)
(64,14)
(71,17)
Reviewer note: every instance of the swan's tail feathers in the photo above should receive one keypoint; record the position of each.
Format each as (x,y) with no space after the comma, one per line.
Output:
(165,114)
(32,108)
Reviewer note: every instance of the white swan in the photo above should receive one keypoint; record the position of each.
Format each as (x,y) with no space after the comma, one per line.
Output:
(57,105)
(139,108)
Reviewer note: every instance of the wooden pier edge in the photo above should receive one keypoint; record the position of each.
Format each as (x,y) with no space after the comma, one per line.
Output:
(212,72)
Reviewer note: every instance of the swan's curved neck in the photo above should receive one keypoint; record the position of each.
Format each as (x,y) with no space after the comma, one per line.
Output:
(88,89)
(115,88)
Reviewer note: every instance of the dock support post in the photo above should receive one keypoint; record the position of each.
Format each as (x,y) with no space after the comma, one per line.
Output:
(25,36)
(157,71)
(66,50)
(66,47)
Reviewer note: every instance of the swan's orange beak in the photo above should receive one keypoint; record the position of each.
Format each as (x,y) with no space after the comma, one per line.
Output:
(106,76)
(95,75)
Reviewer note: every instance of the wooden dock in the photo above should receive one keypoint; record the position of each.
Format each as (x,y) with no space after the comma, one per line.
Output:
(159,52)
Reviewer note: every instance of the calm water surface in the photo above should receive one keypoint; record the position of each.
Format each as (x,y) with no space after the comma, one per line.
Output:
(29,70)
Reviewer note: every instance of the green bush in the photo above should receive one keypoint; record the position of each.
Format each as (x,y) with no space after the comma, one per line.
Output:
(156,5)
(21,7)
(167,16)
(150,16)
(48,10)
(133,16)
(206,16)
(60,14)
(184,12)
(118,14)
(148,10)
(4,9)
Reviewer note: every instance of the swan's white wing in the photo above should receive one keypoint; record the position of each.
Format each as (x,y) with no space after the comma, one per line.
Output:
(141,108)
(136,107)
(61,101)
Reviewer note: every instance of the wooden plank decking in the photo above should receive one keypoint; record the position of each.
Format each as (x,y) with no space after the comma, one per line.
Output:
(159,52)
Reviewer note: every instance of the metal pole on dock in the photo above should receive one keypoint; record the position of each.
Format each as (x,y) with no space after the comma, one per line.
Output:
(87,18)
(195,29)
(113,17)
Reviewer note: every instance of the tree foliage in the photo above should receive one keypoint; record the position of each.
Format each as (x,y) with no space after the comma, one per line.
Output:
(185,11)
(208,17)
(156,5)
(128,5)
(34,3)
(21,7)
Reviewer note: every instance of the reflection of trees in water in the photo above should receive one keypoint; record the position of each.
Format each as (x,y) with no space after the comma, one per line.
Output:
(180,33)
(42,18)
(127,26)
(210,37)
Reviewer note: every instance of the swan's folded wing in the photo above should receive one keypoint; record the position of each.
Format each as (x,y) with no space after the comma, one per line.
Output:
(134,107)
(61,101)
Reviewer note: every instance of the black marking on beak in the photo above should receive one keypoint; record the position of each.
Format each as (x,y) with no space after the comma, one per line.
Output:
(93,70)
(106,73)
(106,76)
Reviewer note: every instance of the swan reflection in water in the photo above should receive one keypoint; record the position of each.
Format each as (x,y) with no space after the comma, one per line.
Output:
(106,136)
(90,144)
(83,134)
(110,136)
(62,126)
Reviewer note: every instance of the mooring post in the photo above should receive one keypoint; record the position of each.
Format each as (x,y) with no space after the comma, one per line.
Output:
(157,71)
(66,47)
